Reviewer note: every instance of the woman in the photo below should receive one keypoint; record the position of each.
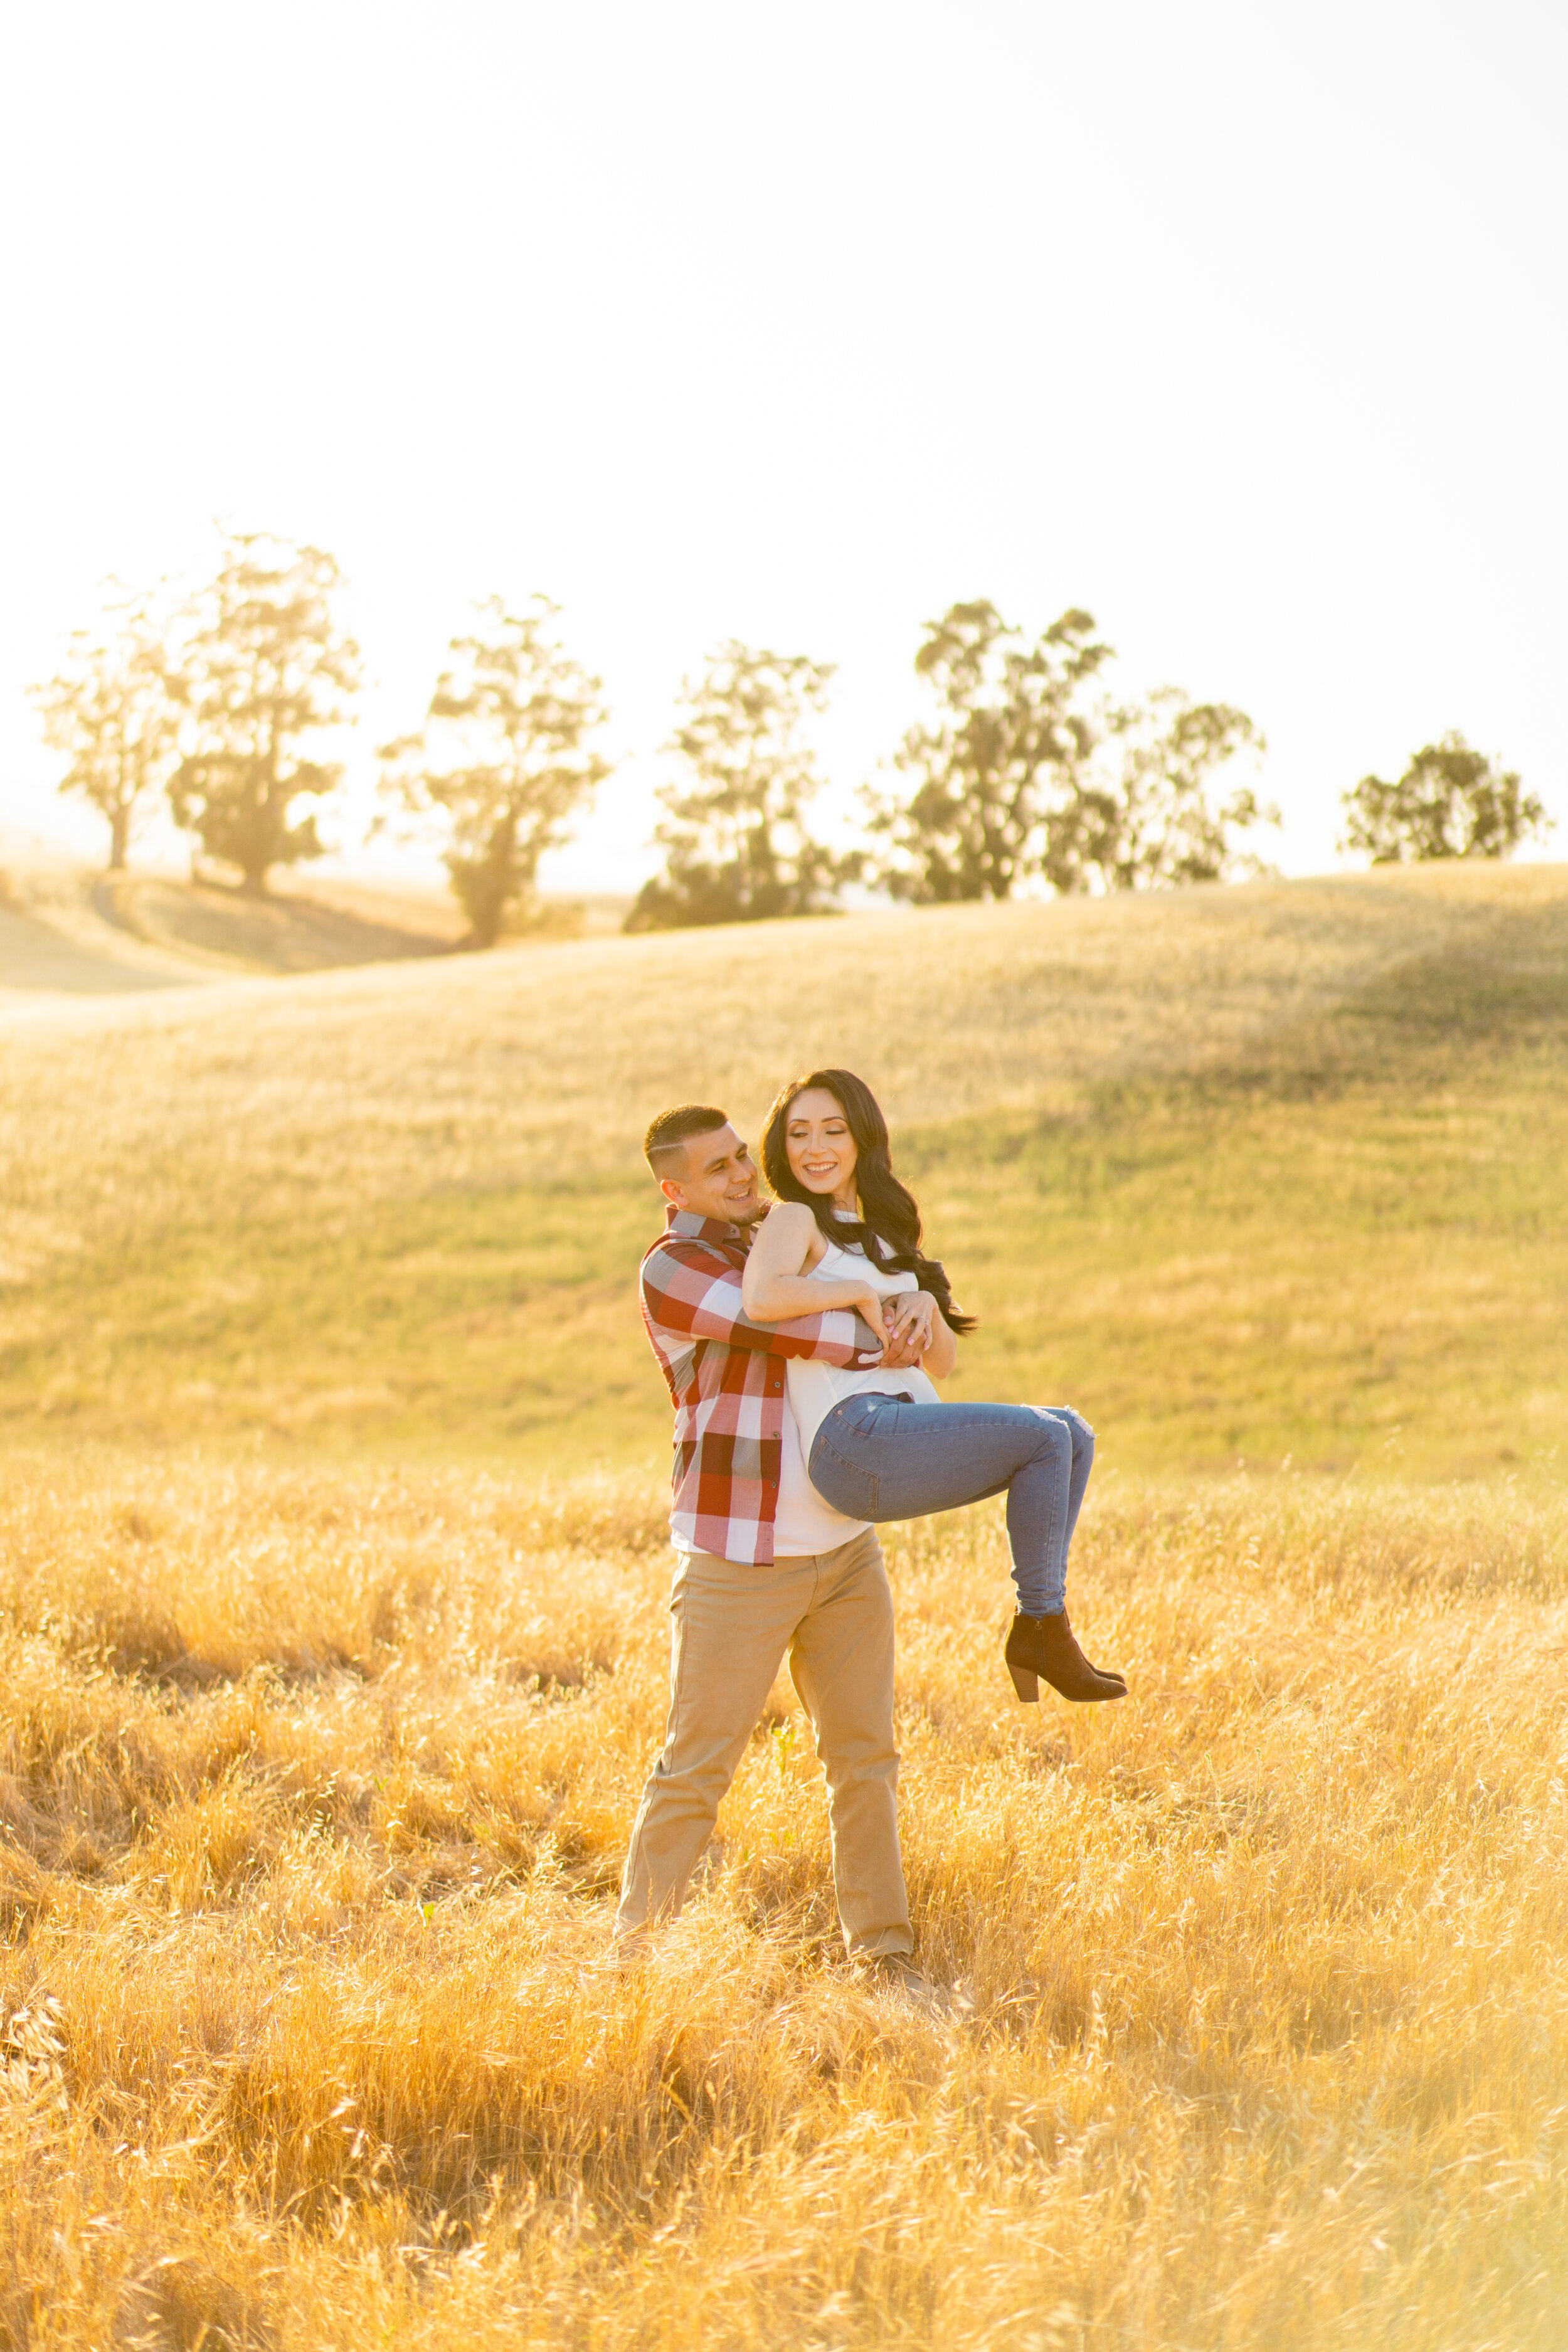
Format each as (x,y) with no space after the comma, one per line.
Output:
(881,1445)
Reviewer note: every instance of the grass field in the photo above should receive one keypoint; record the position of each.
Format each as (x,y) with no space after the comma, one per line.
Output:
(331,1567)
(315,1784)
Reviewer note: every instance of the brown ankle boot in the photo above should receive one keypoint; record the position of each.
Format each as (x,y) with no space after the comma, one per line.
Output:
(1044,1645)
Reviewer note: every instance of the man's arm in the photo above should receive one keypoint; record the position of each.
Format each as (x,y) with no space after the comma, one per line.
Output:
(685,1288)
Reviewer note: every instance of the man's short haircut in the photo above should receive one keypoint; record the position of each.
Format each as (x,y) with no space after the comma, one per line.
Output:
(664,1145)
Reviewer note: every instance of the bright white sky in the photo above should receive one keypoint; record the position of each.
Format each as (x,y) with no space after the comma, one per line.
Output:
(1243,325)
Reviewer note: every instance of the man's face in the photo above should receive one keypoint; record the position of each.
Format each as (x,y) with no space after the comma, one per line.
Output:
(720,1180)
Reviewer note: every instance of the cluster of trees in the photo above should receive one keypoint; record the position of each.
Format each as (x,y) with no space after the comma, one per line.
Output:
(219,704)
(214,704)
(1025,770)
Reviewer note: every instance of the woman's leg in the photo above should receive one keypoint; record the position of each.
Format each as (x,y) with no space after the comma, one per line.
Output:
(876,1458)
(1082,1438)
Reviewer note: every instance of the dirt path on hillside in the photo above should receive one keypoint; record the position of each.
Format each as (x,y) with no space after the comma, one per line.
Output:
(36,959)
(286,932)
(67,933)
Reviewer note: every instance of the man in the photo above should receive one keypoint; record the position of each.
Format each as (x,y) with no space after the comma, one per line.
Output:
(740,1600)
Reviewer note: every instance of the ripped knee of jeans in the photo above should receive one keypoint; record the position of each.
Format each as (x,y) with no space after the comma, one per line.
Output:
(1078,1433)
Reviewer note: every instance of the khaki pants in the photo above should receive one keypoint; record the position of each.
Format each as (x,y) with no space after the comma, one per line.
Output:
(834,1614)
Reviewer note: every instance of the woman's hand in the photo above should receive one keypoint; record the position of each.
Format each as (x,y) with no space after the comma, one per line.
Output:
(910,1322)
(923,1337)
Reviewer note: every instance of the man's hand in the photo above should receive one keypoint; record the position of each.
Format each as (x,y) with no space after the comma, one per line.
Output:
(868,1343)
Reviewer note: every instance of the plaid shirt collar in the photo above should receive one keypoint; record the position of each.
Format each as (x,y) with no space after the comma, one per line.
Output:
(690,1227)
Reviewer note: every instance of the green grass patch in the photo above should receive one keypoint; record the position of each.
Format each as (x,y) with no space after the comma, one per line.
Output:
(1348,1251)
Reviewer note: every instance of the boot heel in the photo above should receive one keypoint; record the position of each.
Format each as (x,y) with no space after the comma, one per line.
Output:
(1027,1685)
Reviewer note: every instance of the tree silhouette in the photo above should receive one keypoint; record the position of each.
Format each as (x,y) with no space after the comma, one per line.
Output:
(502,756)
(1155,821)
(1451,802)
(735,839)
(113,708)
(1010,738)
(1028,769)
(265,668)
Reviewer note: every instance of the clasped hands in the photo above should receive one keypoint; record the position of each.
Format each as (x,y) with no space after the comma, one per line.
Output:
(907,1322)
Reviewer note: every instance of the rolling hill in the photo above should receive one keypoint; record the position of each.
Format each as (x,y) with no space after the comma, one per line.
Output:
(1247,1173)
(328,1690)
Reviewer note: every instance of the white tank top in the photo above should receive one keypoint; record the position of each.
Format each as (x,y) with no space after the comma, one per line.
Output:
(804,1524)
(815,1388)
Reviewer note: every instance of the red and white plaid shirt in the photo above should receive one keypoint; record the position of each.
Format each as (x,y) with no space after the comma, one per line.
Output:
(726,1380)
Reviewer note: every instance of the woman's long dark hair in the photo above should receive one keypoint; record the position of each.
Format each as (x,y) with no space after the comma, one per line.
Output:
(889,1230)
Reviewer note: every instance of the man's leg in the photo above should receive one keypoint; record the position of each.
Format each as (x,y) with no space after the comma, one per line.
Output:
(841,1661)
(731,1625)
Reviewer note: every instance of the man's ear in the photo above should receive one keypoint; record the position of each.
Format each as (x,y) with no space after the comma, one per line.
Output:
(674,1191)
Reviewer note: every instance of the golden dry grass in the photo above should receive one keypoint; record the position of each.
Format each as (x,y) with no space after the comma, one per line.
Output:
(314,1788)
(314,1783)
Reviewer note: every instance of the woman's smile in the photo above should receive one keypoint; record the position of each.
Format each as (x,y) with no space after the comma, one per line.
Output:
(820,1147)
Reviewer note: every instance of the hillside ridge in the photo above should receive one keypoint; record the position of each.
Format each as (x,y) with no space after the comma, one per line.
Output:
(505,1060)
(1247,1174)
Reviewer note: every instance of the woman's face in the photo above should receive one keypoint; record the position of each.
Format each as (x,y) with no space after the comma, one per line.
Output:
(820,1147)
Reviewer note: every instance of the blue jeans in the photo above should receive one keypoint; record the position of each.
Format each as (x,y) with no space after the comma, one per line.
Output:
(881,1457)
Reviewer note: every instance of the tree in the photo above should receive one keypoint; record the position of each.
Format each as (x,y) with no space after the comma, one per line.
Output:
(1451,802)
(502,756)
(1154,821)
(1029,770)
(735,840)
(266,667)
(113,709)
(1008,745)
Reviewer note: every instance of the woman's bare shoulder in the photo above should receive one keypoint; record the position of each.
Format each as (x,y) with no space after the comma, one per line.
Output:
(789,1217)
(789,1232)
